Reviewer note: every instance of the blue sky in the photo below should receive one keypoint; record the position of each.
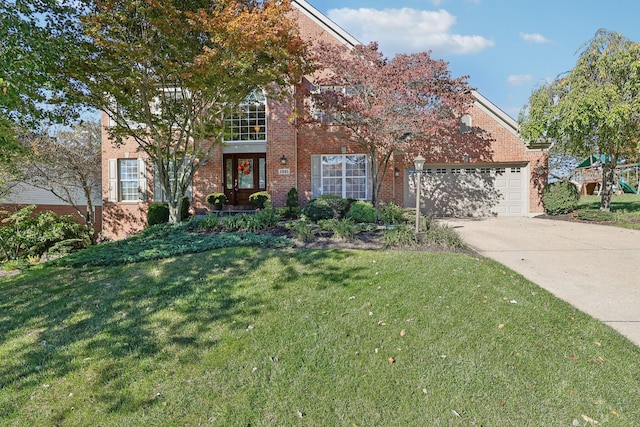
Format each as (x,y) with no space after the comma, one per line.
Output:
(506,47)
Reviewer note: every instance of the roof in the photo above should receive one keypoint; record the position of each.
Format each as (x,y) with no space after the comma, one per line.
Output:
(327,24)
(347,39)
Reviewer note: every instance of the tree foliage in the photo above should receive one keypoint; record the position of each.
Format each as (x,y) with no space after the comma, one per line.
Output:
(172,71)
(38,39)
(67,165)
(593,109)
(408,104)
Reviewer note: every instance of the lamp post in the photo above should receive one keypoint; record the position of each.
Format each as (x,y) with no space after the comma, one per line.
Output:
(418,162)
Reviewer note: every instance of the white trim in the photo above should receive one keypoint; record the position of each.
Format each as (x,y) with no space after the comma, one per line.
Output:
(327,24)
(497,114)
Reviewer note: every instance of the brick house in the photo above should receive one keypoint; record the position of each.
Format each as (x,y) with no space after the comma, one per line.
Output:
(268,153)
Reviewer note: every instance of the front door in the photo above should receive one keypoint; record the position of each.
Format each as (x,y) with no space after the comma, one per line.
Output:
(244,174)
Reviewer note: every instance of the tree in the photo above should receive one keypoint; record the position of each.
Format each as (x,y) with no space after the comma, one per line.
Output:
(67,165)
(172,71)
(37,40)
(409,104)
(594,108)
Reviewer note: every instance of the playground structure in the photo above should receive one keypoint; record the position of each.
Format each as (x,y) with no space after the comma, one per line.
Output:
(588,177)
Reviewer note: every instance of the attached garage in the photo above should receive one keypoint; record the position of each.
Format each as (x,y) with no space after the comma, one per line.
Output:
(466,191)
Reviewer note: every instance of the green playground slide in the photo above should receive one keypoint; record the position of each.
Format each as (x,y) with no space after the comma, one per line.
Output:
(626,187)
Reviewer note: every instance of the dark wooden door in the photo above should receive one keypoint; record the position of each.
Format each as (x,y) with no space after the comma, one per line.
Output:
(244,174)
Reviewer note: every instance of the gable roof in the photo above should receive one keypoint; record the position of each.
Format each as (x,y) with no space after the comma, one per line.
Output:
(348,40)
(325,23)
(506,120)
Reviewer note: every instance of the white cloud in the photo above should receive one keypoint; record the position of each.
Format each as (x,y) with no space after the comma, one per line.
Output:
(534,38)
(519,79)
(408,30)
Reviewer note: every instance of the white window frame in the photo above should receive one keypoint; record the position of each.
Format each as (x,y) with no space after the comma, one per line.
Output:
(322,177)
(115,193)
(254,112)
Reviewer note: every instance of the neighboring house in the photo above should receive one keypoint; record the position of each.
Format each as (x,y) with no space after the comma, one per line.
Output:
(21,195)
(267,152)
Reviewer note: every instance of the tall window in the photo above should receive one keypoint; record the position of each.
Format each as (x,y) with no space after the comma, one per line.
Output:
(344,175)
(127,180)
(250,122)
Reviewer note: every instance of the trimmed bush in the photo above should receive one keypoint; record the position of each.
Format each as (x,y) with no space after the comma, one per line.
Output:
(158,213)
(292,204)
(560,198)
(318,209)
(362,211)
(184,215)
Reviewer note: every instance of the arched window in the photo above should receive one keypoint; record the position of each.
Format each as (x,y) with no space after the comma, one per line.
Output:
(250,122)
(465,123)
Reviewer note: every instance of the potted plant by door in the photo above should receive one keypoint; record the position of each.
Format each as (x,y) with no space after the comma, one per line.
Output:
(216,200)
(260,199)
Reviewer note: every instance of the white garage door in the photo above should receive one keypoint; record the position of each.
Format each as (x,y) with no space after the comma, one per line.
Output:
(462,191)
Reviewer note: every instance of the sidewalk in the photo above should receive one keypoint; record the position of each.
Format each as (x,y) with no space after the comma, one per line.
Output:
(595,268)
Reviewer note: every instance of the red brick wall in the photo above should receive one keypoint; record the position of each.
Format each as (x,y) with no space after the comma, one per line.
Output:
(509,148)
(297,145)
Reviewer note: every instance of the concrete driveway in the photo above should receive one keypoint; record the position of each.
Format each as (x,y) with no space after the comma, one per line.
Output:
(593,267)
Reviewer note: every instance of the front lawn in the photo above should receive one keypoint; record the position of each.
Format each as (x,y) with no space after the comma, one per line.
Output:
(280,337)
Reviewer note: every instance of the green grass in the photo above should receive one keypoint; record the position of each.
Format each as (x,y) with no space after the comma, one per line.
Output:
(625,211)
(265,337)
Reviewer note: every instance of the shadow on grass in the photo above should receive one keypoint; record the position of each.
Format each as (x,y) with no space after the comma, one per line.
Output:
(56,322)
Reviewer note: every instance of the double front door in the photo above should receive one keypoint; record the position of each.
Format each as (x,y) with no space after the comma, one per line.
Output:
(244,174)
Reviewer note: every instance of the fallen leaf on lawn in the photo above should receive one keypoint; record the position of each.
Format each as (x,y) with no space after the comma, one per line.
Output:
(614,413)
(597,343)
(501,325)
(391,360)
(403,333)
(589,420)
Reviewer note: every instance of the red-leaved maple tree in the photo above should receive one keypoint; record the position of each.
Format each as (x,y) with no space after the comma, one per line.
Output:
(410,105)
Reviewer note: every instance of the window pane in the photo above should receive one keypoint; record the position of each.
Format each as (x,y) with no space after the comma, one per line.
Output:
(129,180)
(345,176)
(262,176)
(229,173)
(245,174)
(250,123)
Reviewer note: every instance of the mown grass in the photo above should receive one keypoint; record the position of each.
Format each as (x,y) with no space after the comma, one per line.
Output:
(266,337)
(625,211)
